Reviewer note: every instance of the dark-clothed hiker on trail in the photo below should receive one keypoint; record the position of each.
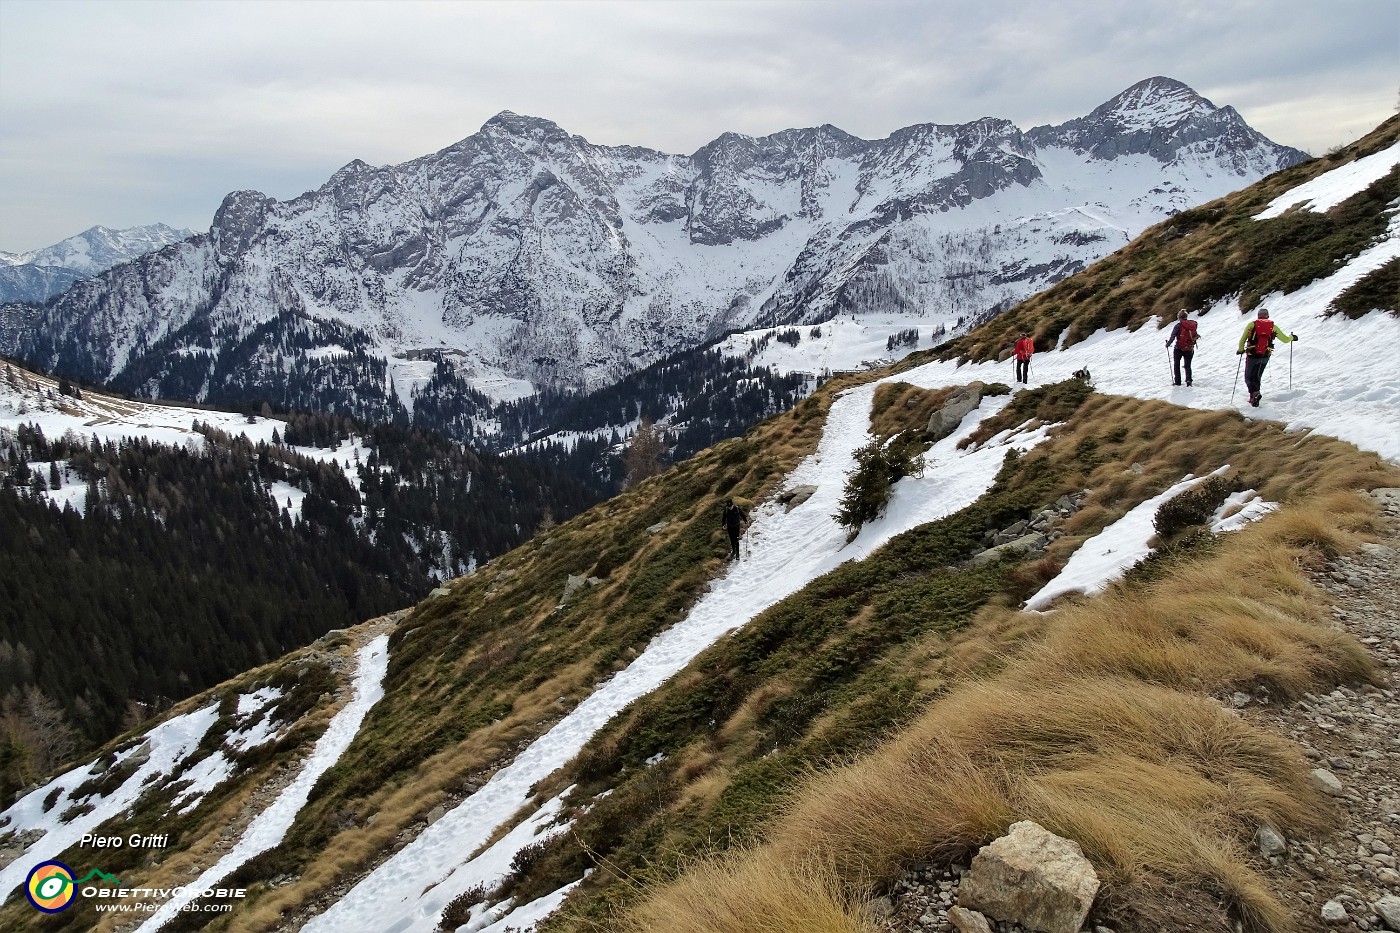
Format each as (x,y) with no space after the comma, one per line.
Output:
(733,520)
(1184,334)
(1257,342)
(1025,348)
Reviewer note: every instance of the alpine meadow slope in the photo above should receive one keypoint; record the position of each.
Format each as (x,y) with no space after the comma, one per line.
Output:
(612,727)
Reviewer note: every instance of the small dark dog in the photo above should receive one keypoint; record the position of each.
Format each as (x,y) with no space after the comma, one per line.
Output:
(1083,374)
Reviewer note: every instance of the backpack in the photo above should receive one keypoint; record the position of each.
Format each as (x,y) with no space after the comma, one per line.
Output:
(1263,338)
(1186,337)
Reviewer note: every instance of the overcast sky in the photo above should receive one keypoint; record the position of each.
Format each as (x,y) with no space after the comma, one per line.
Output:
(124,113)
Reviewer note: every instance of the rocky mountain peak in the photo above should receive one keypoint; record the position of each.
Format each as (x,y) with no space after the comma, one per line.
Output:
(520,125)
(353,167)
(1164,118)
(988,133)
(1153,102)
(238,221)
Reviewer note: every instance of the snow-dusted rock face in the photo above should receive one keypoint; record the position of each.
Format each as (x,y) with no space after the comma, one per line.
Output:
(40,274)
(525,251)
(1168,121)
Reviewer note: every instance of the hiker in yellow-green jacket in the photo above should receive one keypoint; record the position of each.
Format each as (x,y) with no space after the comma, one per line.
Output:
(1257,342)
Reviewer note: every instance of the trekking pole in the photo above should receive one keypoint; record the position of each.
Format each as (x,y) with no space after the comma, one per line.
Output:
(1290,366)
(1171,373)
(1238,364)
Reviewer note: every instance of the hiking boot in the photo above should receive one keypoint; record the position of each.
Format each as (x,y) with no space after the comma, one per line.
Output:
(1254,399)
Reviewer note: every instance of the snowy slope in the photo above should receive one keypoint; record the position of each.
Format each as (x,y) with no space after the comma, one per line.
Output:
(1110,553)
(1327,191)
(394,895)
(1339,385)
(56,810)
(532,256)
(1341,388)
(36,400)
(166,747)
(268,828)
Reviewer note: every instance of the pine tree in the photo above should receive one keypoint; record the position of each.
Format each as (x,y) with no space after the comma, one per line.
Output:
(643,457)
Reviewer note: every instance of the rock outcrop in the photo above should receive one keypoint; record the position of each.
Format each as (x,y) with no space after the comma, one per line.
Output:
(1031,877)
(946,420)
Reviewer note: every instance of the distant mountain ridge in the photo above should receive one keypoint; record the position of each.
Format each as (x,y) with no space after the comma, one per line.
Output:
(38,275)
(526,252)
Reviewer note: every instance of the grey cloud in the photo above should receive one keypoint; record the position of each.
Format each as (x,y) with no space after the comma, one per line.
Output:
(124,113)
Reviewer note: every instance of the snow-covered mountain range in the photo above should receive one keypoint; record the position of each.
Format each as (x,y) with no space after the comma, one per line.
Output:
(38,275)
(529,253)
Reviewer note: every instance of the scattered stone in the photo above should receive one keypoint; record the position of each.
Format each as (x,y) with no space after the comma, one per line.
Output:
(1023,545)
(439,591)
(653,529)
(1388,908)
(968,921)
(943,422)
(1239,700)
(571,586)
(1334,913)
(795,496)
(1327,782)
(1032,877)
(436,813)
(140,756)
(1270,841)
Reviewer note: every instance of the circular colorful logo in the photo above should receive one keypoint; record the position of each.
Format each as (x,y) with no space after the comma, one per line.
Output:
(50,887)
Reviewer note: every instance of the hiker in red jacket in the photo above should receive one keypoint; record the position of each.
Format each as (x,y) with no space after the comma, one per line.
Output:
(1185,335)
(1025,347)
(1257,342)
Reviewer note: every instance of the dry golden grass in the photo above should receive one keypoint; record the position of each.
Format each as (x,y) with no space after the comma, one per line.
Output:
(787,901)
(899,406)
(1099,721)
(1243,619)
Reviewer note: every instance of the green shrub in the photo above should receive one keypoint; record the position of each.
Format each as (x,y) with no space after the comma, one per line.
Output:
(1379,289)
(870,484)
(1193,507)
(1194,545)
(459,910)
